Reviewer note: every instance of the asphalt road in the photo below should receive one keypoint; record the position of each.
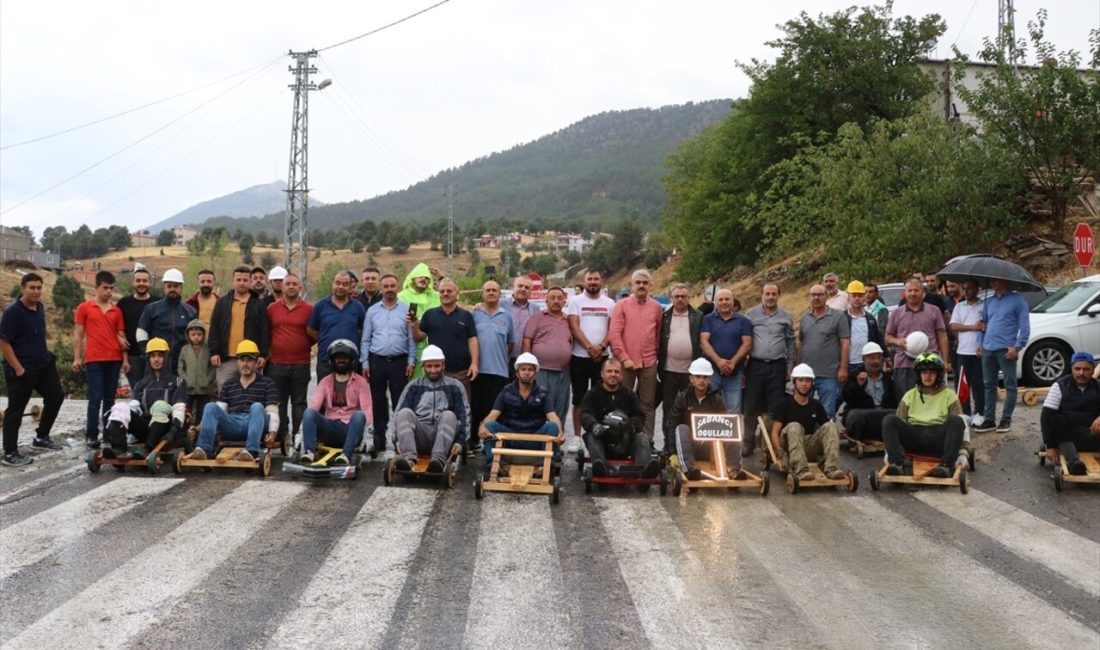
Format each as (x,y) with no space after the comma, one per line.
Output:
(229,560)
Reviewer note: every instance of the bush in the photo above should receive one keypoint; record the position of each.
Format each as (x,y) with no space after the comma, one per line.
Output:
(67,295)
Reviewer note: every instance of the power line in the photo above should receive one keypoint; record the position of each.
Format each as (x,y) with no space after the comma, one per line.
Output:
(384,27)
(138,108)
(343,110)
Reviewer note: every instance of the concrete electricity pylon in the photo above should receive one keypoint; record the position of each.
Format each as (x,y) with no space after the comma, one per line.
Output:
(1006,29)
(297,183)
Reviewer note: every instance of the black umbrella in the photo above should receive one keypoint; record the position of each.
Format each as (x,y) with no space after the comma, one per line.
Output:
(983,268)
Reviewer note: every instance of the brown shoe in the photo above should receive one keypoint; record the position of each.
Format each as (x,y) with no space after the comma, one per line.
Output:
(835,474)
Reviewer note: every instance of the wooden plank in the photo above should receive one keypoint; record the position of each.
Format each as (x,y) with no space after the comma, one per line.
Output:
(520,475)
(526,453)
(528,437)
(532,488)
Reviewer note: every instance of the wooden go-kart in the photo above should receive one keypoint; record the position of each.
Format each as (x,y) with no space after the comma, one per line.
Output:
(717,430)
(1061,473)
(136,456)
(523,475)
(922,466)
(419,469)
(224,453)
(770,458)
(321,468)
(35,414)
(623,471)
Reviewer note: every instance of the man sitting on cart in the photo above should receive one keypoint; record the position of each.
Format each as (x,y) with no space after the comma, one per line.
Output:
(339,409)
(613,420)
(158,387)
(523,406)
(869,395)
(928,421)
(432,415)
(802,430)
(1071,414)
(246,401)
(699,397)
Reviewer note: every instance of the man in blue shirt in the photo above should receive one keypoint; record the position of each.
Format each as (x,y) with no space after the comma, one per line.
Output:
(388,355)
(726,339)
(1006,328)
(495,342)
(336,316)
(28,366)
(523,406)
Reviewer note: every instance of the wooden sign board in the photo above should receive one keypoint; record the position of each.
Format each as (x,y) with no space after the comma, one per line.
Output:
(719,427)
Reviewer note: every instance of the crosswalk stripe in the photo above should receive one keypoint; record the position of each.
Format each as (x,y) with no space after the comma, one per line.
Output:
(33,485)
(517,578)
(361,579)
(114,610)
(1060,550)
(964,588)
(670,587)
(36,537)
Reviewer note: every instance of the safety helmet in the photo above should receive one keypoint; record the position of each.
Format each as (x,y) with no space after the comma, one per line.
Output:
(277,273)
(527,358)
(916,344)
(172,275)
(247,348)
(855,286)
(929,361)
(617,421)
(802,371)
(157,345)
(343,346)
(196,324)
(160,411)
(432,353)
(870,348)
(701,368)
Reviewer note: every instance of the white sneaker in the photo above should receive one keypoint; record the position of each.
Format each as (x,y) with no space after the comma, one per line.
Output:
(572,445)
(976,421)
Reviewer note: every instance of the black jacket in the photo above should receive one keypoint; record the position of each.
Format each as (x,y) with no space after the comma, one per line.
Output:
(257,328)
(874,334)
(857,398)
(695,318)
(598,402)
(686,404)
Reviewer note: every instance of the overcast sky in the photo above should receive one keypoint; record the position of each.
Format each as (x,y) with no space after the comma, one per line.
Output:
(462,81)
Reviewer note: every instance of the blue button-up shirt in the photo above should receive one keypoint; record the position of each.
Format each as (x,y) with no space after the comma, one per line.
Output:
(1007,322)
(333,323)
(520,316)
(387,333)
(494,333)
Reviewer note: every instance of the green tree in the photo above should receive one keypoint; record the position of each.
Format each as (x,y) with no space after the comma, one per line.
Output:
(119,238)
(165,238)
(267,260)
(373,246)
(356,245)
(67,296)
(1047,116)
(322,286)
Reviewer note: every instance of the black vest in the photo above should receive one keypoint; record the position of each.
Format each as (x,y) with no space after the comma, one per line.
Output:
(1082,407)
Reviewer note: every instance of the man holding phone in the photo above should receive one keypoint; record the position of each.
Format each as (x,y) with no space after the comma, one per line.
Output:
(388,354)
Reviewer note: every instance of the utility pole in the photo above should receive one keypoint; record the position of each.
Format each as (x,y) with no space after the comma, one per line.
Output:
(450,221)
(1006,29)
(297,184)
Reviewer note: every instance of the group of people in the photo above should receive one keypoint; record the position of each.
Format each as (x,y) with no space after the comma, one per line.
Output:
(403,358)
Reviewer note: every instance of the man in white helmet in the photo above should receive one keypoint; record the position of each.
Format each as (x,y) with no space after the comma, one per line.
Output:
(523,406)
(432,415)
(802,430)
(275,279)
(167,318)
(869,395)
(699,397)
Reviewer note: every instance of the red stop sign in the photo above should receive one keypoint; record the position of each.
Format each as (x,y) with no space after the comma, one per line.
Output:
(1084,244)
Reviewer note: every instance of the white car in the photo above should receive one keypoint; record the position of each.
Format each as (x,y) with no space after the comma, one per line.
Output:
(1067,321)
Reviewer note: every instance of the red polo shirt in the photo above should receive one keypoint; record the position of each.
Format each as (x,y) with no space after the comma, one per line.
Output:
(290,344)
(101,330)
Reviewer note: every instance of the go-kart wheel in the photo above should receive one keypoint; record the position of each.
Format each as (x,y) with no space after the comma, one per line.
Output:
(677,485)
(580,459)
(450,474)
(153,462)
(765,459)
(1042,455)
(387,471)
(1058,483)
(764,485)
(479,491)
(664,481)
(587,474)
(872,478)
(972,460)
(964,481)
(853,482)
(286,446)
(264,463)
(177,461)
(859,449)
(92,459)
(555,496)
(792,483)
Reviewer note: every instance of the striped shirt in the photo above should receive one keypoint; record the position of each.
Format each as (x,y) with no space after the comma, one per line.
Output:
(240,399)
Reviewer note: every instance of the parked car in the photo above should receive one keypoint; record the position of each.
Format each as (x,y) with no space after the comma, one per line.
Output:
(1032,296)
(1067,321)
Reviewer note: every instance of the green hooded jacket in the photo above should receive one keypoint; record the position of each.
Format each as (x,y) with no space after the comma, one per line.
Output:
(424,300)
(194,366)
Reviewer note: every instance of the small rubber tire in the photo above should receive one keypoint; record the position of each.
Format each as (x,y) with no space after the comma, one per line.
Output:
(587,474)
(177,462)
(450,475)
(263,464)
(479,491)
(964,481)
(859,450)
(151,462)
(580,459)
(555,496)
(872,478)
(387,471)
(764,485)
(664,481)
(792,483)
(972,460)
(286,446)
(765,459)
(1058,482)
(853,482)
(677,485)
(92,460)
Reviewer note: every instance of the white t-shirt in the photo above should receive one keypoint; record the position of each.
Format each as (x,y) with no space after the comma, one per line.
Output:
(966,314)
(595,318)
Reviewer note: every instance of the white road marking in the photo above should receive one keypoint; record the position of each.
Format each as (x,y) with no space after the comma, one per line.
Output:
(116,609)
(517,592)
(1062,551)
(30,486)
(361,579)
(36,537)
(670,587)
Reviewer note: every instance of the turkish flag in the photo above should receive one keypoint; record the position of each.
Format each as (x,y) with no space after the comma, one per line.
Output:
(964,387)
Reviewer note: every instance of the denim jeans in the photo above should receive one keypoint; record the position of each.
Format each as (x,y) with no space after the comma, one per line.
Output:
(102,384)
(992,361)
(730,386)
(828,393)
(547,429)
(234,427)
(332,432)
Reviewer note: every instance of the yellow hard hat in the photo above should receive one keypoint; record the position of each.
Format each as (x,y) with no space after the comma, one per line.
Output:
(157,345)
(247,348)
(855,286)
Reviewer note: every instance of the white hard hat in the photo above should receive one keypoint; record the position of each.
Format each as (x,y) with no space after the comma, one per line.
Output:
(871,348)
(277,273)
(172,275)
(802,371)
(527,358)
(432,353)
(701,368)
(916,344)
